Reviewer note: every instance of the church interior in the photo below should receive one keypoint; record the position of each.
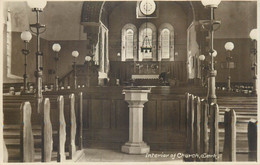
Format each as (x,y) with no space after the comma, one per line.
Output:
(129,81)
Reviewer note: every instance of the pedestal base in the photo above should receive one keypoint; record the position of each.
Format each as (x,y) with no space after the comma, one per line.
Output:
(135,148)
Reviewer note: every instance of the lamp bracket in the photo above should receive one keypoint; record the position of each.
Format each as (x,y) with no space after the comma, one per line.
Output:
(210,25)
(25,51)
(37,26)
(37,10)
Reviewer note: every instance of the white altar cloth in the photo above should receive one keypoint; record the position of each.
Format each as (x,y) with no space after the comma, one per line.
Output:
(146,76)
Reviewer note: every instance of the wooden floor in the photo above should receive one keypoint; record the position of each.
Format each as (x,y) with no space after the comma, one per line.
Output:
(102,155)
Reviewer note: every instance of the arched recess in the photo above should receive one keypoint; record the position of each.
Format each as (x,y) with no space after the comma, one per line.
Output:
(166,42)
(129,41)
(153,38)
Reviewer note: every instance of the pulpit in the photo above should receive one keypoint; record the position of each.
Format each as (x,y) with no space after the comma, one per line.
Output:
(136,97)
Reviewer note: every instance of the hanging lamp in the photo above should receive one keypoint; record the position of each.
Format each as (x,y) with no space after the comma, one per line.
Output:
(146,44)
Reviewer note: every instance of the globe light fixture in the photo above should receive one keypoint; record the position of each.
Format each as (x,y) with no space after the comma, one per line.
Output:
(229,46)
(215,53)
(26,36)
(253,34)
(75,54)
(202,57)
(88,58)
(56,48)
(211,3)
(37,4)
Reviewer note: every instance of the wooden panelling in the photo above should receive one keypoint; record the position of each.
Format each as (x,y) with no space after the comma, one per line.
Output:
(106,119)
(124,70)
(122,115)
(96,113)
(106,114)
(150,115)
(170,115)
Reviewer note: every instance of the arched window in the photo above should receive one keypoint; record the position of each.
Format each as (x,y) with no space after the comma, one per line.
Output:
(166,42)
(147,37)
(129,43)
(165,46)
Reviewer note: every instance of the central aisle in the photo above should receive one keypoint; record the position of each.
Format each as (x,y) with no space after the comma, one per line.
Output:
(102,155)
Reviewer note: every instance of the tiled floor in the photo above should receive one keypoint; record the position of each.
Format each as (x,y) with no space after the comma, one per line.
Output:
(102,155)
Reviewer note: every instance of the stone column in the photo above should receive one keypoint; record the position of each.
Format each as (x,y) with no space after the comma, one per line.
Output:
(136,97)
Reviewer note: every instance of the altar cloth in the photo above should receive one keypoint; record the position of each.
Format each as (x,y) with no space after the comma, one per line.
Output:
(151,76)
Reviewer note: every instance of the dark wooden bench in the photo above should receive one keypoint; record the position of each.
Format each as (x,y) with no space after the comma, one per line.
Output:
(12,120)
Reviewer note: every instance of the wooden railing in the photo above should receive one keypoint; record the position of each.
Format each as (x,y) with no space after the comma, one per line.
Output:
(67,79)
(86,75)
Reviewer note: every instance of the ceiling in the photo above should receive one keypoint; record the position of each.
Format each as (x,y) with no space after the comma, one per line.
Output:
(63,19)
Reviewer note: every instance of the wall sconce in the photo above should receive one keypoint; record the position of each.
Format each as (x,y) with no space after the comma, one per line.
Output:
(254,36)
(37,7)
(75,54)
(56,48)
(26,36)
(229,46)
(211,26)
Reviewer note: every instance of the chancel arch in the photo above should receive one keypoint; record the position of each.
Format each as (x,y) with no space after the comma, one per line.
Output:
(129,43)
(147,29)
(166,42)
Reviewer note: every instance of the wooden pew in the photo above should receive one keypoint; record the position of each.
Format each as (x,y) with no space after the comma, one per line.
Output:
(189,124)
(61,157)
(204,142)
(47,140)
(12,113)
(214,132)
(5,153)
(72,127)
(80,121)
(197,122)
(188,128)
(12,102)
(26,134)
(229,153)
(245,109)
(252,140)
